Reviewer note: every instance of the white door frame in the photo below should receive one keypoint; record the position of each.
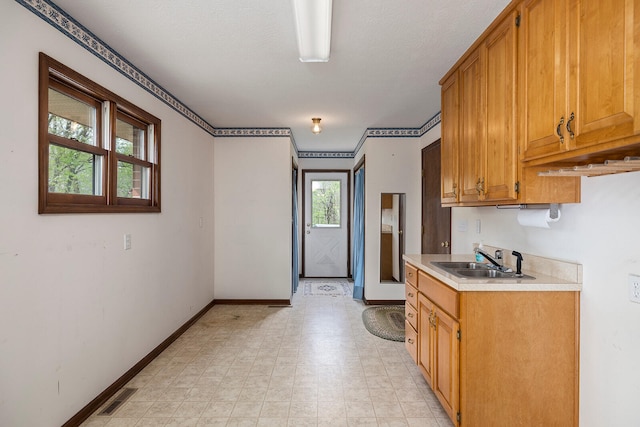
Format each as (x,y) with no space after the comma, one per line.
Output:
(306,193)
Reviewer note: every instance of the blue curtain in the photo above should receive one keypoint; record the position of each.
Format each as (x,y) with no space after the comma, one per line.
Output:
(294,235)
(358,235)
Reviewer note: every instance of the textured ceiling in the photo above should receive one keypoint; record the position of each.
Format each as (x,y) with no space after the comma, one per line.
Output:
(235,62)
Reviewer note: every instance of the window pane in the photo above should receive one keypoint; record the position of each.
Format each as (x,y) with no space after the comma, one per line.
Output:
(130,139)
(71,118)
(73,171)
(325,201)
(133,181)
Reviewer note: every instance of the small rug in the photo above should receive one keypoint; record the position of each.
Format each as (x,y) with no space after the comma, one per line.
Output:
(385,321)
(315,288)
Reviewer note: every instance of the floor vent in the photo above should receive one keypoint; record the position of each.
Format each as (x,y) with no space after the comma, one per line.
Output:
(119,400)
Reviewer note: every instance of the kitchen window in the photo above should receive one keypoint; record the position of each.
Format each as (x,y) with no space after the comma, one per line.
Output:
(97,151)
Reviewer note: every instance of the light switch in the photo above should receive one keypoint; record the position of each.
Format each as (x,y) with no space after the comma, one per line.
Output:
(127,242)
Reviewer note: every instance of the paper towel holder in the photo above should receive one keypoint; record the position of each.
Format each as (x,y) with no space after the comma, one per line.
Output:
(553,208)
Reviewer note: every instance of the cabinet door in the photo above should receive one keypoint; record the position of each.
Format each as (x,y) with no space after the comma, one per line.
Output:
(500,152)
(471,127)
(450,134)
(446,377)
(426,341)
(543,77)
(603,62)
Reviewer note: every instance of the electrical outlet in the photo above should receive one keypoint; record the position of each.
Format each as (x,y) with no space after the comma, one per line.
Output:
(634,288)
(127,242)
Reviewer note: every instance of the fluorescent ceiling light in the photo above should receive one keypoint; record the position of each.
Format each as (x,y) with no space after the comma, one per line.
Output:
(313,26)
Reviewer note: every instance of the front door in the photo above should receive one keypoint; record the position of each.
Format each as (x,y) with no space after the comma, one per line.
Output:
(326,224)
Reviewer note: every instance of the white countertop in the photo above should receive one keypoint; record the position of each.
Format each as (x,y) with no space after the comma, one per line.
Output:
(541,282)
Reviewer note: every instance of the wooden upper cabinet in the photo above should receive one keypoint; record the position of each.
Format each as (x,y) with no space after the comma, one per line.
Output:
(603,71)
(543,66)
(500,144)
(449,137)
(580,87)
(486,116)
(472,136)
(504,104)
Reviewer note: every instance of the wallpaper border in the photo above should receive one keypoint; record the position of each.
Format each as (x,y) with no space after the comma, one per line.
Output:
(59,19)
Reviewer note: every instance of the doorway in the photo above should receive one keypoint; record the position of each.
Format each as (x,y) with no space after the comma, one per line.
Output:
(392,237)
(436,220)
(326,224)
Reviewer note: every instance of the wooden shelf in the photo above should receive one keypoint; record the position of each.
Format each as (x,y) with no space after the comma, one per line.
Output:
(629,164)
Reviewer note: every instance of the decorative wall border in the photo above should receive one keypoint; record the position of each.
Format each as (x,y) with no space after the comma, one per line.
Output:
(398,132)
(63,22)
(59,19)
(240,132)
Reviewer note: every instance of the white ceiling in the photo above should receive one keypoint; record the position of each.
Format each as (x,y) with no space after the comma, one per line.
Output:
(235,62)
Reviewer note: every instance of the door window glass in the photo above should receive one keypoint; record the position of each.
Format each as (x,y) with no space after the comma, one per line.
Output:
(325,203)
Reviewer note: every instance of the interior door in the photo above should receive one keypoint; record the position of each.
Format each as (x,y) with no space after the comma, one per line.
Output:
(326,224)
(436,220)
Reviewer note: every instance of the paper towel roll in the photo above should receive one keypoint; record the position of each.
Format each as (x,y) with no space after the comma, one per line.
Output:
(536,218)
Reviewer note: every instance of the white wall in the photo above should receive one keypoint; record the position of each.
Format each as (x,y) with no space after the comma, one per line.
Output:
(253,218)
(392,165)
(76,310)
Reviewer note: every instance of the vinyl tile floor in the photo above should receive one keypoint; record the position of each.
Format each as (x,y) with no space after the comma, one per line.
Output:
(310,364)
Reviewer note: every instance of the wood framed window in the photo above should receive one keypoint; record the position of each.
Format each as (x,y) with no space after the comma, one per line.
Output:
(97,151)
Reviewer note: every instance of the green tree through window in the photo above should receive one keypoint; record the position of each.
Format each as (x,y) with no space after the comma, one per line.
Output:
(325,199)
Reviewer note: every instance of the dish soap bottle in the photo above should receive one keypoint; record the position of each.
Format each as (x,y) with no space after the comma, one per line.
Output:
(479,258)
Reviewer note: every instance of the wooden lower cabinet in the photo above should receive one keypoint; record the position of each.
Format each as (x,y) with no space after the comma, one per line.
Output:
(509,358)
(411,311)
(426,342)
(438,355)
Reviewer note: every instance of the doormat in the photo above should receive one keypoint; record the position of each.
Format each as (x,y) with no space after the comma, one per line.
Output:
(322,288)
(385,321)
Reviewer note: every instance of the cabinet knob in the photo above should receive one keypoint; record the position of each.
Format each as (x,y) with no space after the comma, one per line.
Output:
(409,340)
(410,315)
(410,294)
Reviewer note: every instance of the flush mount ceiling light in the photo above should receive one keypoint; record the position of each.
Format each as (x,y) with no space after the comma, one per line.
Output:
(313,27)
(315,127)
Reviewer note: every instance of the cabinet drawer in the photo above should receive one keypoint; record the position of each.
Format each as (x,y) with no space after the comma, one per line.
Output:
(411,295)
(411,315)
(411,275)
(411,341)
(441,294)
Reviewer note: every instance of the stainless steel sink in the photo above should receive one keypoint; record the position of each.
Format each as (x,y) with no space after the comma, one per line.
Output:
(477,270)
(466,265)
(490,274)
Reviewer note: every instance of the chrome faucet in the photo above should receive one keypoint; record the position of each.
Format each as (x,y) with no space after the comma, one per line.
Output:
(494,261)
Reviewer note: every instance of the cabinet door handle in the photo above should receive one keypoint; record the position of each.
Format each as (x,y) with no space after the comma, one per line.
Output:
(410,294)
(559,131)
(571,117)
(410,315)
(410,274)
(455,186)
(480,186)
(409,340)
